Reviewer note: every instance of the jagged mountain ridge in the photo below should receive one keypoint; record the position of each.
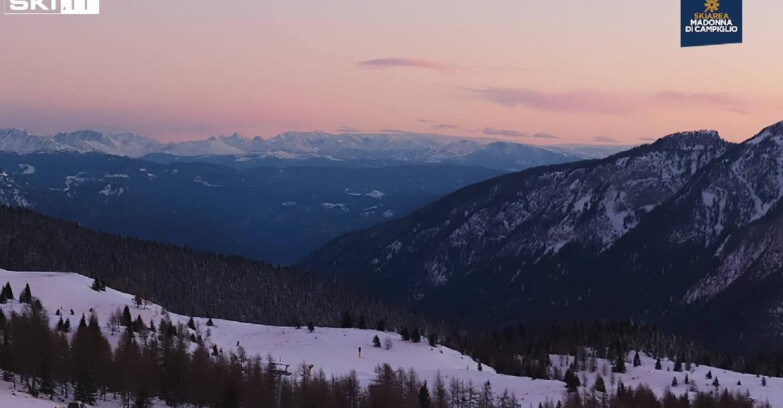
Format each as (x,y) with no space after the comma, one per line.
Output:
(306,148)
(698,238)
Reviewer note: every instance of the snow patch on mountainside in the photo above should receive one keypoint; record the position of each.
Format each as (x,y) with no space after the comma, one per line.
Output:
(27,169)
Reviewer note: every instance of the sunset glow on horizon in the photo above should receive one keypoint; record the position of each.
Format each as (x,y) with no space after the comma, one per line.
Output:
(535,72)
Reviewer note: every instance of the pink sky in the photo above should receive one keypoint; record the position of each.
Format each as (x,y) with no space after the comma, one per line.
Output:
(583,72)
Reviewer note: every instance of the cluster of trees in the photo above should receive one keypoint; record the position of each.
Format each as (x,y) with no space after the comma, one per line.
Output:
(7,293)
(643,397)
(524,351)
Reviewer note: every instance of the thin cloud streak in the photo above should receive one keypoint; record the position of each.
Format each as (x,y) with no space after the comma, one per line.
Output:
(605,139)
(445,126)
(504,132)
(720,99)
(604,103)
(582,101)
(384,63)
(440,66)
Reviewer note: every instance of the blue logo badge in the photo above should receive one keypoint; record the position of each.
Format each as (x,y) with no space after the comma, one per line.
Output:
(710,22)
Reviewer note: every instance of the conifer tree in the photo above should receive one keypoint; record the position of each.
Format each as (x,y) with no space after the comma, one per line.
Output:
(405,334)
(674,382)
(600,385)
(191,324)
(571,381)
(310,326)
(424,396)
(658,365)
(709,375)
(127,319)
(678,365)
(716,383)
(138,325)
(3,300)
(98,285)
(8,292)
(210,323)
(26,296)
(637,360)
(687,379)
(416,335)
(432,339)
(376,342)
(619,365)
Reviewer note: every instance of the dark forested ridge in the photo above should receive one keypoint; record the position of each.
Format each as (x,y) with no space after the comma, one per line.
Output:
(187,281)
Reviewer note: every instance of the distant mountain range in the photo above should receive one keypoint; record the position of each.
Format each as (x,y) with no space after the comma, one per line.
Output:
(309,149)
(685,231)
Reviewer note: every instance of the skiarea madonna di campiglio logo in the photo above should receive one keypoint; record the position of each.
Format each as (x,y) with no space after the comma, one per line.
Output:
(711,22)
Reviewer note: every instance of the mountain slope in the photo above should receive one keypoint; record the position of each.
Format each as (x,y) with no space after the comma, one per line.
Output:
(504,225)
(715,246)
(684,231)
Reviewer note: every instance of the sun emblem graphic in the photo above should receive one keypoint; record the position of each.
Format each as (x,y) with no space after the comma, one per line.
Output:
(711,6)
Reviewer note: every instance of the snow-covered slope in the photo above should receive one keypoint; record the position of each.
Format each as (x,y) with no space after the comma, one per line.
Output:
(15,398)
(83,141)
(119,144)
(335,351)
(229,146)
